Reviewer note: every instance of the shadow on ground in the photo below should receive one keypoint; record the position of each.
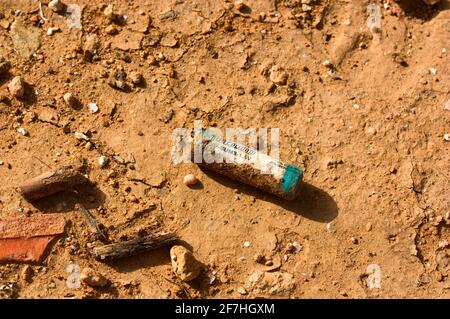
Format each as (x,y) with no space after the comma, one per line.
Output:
(312,202)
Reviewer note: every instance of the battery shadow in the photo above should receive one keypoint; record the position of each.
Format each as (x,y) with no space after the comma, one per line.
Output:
(312,202)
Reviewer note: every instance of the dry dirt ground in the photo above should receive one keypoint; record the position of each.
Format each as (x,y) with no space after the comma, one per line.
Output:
(368,130)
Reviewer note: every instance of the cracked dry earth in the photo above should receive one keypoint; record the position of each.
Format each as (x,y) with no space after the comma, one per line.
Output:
(367,127)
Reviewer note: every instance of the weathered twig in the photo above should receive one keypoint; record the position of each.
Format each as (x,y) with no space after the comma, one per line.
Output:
(91,223)
(51,182)
(133,247)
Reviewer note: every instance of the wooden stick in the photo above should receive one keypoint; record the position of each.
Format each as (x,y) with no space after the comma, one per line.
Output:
(51,182)
(133,247)
(91,223)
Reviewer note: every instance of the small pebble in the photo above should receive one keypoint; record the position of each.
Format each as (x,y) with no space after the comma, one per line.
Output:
(242,291)
(190,180)
(88,146)
(51,31)
(23,131)
(354,240)
(327,64)
(136,78)
(93,108)
(103,161)
(433,71)
(369,226)
(81,136)
(17,87)
(70,99)
(246,244)
(93,279)
(447,137)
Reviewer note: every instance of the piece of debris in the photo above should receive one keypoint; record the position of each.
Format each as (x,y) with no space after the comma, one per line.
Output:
(93,108)
(5,65)
(81,136)
(190,180)
(133,247)
(92,278)
(51,31)
(23,131)
(57,6)
(70,100)
(50,182)
(278,75)
(25,40)
(184,264)
(447,137)
(90,46)
(25,239)
(103,161)
(17,87)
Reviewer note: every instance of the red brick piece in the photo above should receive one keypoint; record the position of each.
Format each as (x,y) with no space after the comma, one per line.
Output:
(25,239)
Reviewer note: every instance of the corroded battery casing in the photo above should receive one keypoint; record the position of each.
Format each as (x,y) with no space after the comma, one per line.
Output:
(249,166)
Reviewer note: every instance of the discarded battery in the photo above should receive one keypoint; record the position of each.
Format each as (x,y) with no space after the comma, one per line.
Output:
(249,166)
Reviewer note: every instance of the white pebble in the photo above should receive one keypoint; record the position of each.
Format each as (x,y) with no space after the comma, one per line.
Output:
(52,31)
(447,137)
(190,180)
(103,160)
(23,131)
(93,107)
(81,136)
(246,244)
(433,71)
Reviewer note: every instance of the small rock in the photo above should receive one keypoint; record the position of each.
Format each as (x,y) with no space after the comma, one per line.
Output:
(246,244)
(184,264)
(81,136)
(17,87)
(447,137)
(447,105)
(92,278)
(354,240)
(327,64)
(93,108)
(136,78)
(23,131)
(88,146)
(109,13)
(51,31)
(242,291)
(103,161)
(57,6)
(190,180)
(70,100)
(369,226)
(433,71)
(278,75)
(91,45)
(26,273)
(111,29)
(117,84)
